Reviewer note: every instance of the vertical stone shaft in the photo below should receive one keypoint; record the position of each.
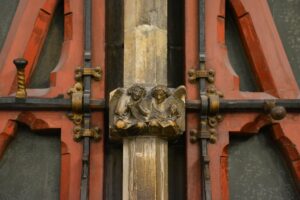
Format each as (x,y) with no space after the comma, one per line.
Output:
(145,158)
(145,42)
(145,174)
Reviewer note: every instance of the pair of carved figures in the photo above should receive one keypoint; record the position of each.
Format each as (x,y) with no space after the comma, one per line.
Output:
(145,111)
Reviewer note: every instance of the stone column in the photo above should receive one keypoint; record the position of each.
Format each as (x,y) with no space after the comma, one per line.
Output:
(145,42)
(145,113)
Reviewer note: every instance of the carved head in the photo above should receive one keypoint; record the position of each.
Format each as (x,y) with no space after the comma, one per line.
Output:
(160,93)
(136,92)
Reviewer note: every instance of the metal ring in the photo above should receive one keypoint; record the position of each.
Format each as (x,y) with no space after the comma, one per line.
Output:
(77,102)
(204,104)
(214,103)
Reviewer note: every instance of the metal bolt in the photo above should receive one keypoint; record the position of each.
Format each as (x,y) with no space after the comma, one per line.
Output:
(20,65)
(193,135)
(278,112)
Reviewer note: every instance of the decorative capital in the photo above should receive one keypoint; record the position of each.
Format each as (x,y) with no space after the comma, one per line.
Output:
(144,111)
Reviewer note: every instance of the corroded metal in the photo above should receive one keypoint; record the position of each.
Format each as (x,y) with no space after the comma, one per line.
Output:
(195,74)
(95,73)
(20,65)
(80,105)
(76,94)
(209,107)
(157,111)
(80,132)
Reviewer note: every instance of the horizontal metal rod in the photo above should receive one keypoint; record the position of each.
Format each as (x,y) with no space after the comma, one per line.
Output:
(250,105)
(47,104)
(291,105)
(62,104)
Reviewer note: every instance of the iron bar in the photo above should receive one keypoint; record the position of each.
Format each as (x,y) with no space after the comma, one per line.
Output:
(84,194)
(291,105)
(63,104)
(44,104)
(206,191)
(247,105)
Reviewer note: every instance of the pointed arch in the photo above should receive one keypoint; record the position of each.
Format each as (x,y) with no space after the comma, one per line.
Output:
(271,67)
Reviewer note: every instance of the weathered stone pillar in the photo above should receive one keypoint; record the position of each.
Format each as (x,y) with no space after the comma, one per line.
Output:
(145,168)
(145,113)
(145,42)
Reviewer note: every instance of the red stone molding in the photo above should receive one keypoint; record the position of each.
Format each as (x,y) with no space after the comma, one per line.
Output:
(26,38)
(274,75)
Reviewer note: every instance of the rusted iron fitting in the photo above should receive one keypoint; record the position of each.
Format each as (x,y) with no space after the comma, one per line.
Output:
(80,132)
(195,74)
(94,72)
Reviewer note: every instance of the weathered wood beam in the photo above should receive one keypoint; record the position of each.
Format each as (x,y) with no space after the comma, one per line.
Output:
(145,168)
(145,159)
(145,42)
(145,114)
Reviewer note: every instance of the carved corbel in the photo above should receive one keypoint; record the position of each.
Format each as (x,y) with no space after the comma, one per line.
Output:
(144,111)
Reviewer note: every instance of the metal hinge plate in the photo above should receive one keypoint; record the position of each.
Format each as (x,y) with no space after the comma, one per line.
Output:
(95,72)
(195,74)
(76,95)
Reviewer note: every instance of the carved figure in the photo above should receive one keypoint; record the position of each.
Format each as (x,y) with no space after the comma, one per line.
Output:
(145,111)
(130,111)
(163,114)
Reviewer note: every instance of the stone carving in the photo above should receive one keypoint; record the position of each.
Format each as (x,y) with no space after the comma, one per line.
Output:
(147,111)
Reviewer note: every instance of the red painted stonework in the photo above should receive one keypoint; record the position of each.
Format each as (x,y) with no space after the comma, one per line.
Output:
(25,39)
(273,72)
(7,135)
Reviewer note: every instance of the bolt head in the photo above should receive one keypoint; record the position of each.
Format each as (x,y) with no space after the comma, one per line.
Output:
(278,112)
(20,63)
(193,139)
(213,139)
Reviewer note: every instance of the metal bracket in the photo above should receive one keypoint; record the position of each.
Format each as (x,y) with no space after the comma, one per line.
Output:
(210,102)
(195,74)
(76,95)
(207,131)
(210,106)
(95,72)
(80,132)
